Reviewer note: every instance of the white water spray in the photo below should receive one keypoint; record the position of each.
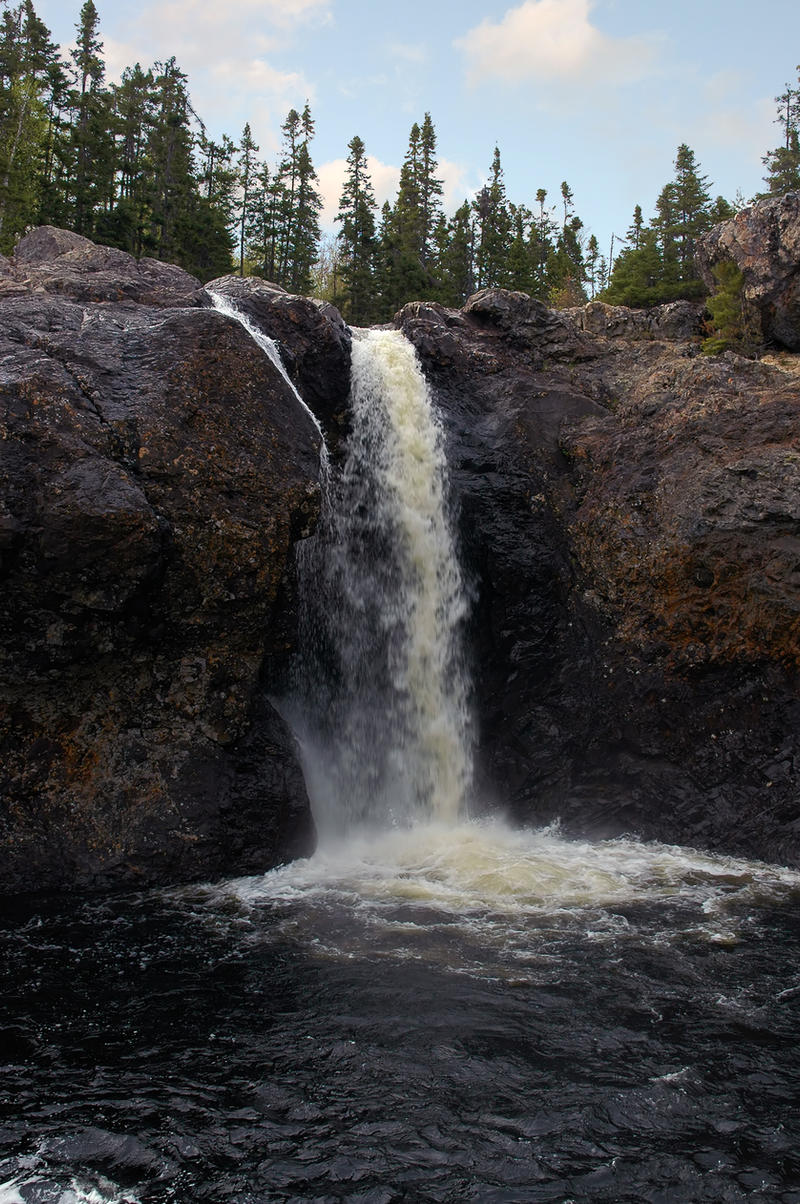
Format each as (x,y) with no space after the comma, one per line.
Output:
(381,707)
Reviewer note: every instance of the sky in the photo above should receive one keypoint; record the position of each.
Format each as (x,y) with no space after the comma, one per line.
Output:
(599,93)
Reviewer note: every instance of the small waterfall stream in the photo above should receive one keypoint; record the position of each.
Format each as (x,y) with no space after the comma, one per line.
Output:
(224,305)
(381,693)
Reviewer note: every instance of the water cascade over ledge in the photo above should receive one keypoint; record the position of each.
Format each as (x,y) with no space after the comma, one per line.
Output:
(381,694)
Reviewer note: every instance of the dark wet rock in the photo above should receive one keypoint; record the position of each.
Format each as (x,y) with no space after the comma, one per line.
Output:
(629,514)
(313,340)
(155,470)
(763,241)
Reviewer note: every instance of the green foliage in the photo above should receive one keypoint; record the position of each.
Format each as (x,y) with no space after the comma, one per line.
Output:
(783,163)
(657,265)
(357,240)
(732,325)
(493,230)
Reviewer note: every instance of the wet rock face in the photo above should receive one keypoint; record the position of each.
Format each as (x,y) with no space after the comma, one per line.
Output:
(629,515)
(313,341)
(155,470)
(763,241)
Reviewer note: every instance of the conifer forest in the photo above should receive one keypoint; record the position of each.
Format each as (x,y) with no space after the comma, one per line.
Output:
(131,165)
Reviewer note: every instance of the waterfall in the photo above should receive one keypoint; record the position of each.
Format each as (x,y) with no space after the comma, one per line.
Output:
(380,697)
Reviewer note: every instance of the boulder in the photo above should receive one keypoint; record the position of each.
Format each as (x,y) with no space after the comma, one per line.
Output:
(155,471)
(763,241)
(58,261)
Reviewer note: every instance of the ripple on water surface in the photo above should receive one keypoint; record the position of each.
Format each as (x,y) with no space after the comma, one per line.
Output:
(436,1014)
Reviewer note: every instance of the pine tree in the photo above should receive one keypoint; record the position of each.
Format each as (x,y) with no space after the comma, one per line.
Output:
(520,274)
(176,220)
(134,108)
(733,325)
(592,262)
(783,163)
(540,248)
(493,229)
(692,206)
(633,235)
(264,230)
(637,278)
(430,190)
(305,232)
(247,169)
(565,268)
(456,258)
(91,142)
(28,74)
(357,239)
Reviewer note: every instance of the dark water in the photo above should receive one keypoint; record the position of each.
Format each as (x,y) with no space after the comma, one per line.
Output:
(307,1046)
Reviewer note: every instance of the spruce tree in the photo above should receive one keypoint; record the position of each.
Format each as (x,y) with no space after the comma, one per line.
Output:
(540,246)
(28,75)
(357,240)
(305,232)
(456,258)
(783,163)
(430,190)
(247,170)
(91,143)
(520,274)
(493,229)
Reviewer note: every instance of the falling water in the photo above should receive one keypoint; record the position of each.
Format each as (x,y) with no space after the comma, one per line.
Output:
(381,695)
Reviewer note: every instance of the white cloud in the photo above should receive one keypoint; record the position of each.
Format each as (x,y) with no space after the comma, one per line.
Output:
(226,51)
(552,40)
(455,191)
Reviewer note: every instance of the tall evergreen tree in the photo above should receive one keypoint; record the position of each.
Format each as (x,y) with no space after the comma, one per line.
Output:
(91,143)
(493,229)
(247,171)
(456,258)
(357,238)
(783,163)
(305,231)
(540,243)
(28,74)
(430,190)
(565,267)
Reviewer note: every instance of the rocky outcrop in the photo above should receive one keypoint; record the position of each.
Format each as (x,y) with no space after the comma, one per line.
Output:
(763,241)
(155,470)
(313,340)
(630,521)
(49,260)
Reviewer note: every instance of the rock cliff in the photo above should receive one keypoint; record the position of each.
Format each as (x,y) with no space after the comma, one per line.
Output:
(763,241)
(630,520)
(155,470)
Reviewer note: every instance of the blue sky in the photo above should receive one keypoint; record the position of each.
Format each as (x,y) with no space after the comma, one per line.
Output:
(597,92)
